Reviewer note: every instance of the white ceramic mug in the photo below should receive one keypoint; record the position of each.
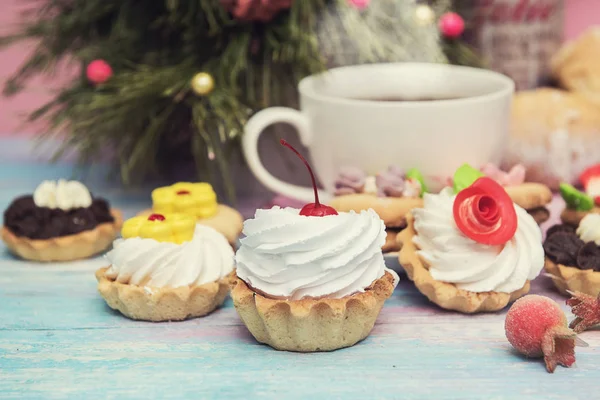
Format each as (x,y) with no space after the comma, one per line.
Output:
(349,117)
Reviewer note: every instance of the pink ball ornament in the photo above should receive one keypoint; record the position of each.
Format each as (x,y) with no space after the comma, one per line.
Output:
(451,25)
(98,71)
(359,4)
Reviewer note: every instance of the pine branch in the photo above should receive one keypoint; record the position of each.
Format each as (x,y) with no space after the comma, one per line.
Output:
(147,115)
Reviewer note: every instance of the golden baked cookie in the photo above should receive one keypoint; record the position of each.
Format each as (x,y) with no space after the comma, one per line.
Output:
(574,217)
(444,294)
(310,325)
(162,304)
(530,195)
(577,64)
(392,210)
(533,197)
(65,248)
(568,278)
(227,220)
(554,134)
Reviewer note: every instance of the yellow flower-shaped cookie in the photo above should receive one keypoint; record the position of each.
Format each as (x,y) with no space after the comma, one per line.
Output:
(198,199)
(175,228)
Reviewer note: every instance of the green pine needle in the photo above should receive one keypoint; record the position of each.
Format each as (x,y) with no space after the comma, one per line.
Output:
(146,114)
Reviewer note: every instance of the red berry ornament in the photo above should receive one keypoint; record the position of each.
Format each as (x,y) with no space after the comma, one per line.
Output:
(359,4)
(537,327)
(485,213)
(315,209)
(156,217)
(98,71)
(256,10)
(451,25)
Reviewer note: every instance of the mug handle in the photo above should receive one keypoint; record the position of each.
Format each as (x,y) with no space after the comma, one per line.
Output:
(254,128)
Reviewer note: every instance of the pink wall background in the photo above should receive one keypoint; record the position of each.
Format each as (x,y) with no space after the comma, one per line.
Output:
(580,14)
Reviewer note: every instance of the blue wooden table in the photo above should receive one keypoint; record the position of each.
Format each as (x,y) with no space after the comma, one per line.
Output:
(58,339)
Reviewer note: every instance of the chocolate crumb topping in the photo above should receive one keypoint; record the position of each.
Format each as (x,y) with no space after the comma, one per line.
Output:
(24,218)
(588,257)
(563,246)
(559,228)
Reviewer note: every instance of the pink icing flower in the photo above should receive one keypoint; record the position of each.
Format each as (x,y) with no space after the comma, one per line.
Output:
(515,176)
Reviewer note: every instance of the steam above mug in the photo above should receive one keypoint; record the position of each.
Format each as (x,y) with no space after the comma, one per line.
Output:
(433,117)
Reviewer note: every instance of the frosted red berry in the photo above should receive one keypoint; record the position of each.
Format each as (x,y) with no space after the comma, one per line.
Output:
(537,327)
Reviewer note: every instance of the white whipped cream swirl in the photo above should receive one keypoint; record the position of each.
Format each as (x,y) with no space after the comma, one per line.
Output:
(62,194)
(208,257)
(472,266)
(291,256)
(589,228)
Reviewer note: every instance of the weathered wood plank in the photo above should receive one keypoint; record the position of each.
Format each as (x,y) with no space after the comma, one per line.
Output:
(58,339)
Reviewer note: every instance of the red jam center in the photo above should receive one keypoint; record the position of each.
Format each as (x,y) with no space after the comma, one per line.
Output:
(183,192)
(156,217)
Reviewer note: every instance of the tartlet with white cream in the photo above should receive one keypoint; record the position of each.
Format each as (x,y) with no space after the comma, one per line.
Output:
(60,221)
(470,248)
(166,268)
(311,279)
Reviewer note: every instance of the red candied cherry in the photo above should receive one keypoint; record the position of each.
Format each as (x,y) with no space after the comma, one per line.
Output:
(315,209)
(156,217)
(536,326)
(485,213)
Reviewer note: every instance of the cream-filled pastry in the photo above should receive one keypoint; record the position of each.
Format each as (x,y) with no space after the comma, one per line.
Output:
(164,255)
(60,221)
(470,248)
(207,258)
(455,258)
(573,256)
(290,256)
(311,279)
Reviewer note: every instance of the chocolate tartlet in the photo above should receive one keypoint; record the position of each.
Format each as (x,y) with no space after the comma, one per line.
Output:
(46,231)
(573,264)
(24,218)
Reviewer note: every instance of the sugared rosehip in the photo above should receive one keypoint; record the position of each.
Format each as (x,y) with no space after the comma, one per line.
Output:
(537,327)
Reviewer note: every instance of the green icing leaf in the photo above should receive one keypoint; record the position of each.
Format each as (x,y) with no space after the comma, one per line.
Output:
(464,177)
(414,173)
(575,199)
